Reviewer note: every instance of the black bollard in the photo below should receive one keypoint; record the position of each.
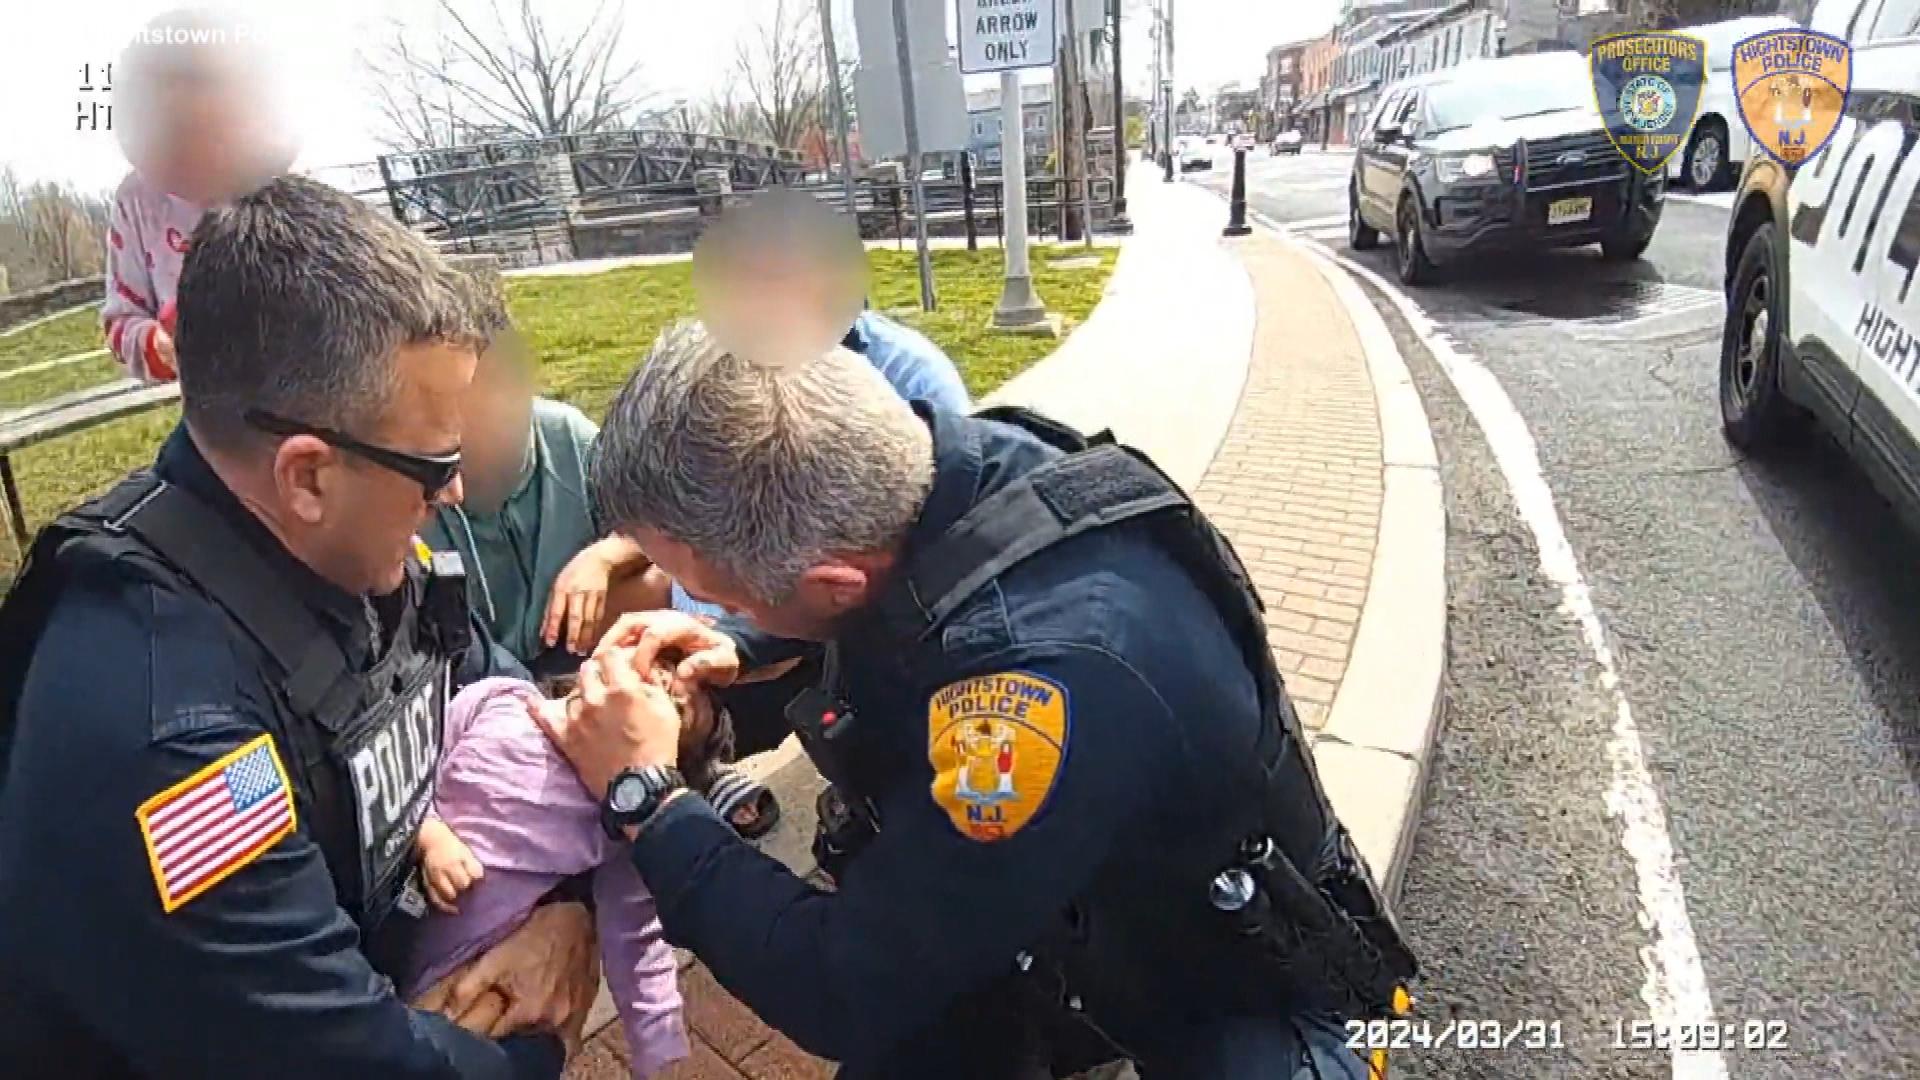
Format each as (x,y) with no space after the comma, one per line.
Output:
(1237,209)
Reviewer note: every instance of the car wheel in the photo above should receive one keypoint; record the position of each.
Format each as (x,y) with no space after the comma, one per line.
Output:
(1626,245)
(1413,264)
(1360,235)
(1705,166)
(1755,415)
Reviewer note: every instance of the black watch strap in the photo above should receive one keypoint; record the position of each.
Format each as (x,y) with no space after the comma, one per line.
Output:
(634,795)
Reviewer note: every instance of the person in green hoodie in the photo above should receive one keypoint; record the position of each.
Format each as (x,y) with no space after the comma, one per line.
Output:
(541,573)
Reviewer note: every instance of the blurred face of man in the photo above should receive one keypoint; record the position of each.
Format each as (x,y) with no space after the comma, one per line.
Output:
(497,429)
(354,519)
(824,596)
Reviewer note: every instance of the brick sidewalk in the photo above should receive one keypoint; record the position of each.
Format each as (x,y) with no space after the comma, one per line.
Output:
(1296,485)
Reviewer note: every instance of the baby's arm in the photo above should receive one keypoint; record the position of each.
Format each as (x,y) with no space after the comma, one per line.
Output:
(446,862)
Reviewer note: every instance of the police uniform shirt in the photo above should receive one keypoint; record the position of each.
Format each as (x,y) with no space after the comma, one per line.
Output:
(248,967)
(1064,744)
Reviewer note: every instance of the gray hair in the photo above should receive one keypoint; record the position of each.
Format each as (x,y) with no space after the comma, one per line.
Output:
(764,470)
(294,300)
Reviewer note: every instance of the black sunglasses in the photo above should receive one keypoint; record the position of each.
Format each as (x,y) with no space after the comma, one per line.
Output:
(433,472)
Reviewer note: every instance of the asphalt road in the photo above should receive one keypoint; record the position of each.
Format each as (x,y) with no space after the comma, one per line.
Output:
(1764,623)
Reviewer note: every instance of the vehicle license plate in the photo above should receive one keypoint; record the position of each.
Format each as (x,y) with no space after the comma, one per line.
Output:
(1568,211)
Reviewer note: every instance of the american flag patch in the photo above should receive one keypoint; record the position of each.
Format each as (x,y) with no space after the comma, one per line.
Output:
(216,821)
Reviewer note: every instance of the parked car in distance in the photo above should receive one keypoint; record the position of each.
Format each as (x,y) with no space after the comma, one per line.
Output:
(1719,143)
(1498,154)
(1287,142)
(1823,319)
(1197,153)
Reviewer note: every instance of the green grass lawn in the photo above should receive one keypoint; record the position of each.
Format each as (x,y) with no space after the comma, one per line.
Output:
(587,334)
(72,333)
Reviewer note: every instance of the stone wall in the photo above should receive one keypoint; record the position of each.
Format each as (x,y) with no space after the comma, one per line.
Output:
(49,299)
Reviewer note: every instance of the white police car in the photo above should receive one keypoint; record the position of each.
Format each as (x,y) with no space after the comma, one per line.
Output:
(1719,143)
(1823,298)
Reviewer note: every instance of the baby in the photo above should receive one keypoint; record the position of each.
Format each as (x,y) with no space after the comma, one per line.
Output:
(510,821)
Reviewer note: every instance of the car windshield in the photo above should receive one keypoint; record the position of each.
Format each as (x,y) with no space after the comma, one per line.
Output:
(1503,91)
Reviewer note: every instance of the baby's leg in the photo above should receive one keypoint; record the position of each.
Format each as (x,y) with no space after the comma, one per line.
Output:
(640,968)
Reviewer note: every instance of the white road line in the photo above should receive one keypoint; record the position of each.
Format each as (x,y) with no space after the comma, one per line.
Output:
(1317,223)
(1721,199)
(1675,990)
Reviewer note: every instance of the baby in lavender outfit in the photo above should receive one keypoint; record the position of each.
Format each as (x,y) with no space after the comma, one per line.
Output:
(511,821)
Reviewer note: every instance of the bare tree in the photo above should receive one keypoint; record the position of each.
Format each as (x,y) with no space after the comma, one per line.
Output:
(782,74)
(65,231)
(512,75)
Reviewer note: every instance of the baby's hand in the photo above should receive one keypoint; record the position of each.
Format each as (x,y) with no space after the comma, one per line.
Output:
(447,864)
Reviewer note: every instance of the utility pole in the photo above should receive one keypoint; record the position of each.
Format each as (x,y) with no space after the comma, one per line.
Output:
(1119,223)
(839,108)
(1168,29)
(1078,126)
(911,121)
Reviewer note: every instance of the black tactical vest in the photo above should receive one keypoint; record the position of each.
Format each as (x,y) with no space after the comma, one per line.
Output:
(361,746)
(1287,912)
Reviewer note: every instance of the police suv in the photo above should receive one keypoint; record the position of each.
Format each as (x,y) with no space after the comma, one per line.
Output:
(1823,309)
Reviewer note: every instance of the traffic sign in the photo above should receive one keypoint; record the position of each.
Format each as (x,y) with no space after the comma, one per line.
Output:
(1005,35)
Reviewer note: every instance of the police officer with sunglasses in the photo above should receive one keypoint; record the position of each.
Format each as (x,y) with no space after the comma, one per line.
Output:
(221,694)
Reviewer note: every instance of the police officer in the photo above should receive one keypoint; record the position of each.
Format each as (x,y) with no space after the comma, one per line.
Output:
(1075,819)
(221,690)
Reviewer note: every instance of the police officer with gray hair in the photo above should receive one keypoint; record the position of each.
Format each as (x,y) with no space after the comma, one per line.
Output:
(221,693)
(1073,817)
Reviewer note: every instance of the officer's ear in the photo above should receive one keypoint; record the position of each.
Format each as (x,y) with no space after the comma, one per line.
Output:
(304,471)
(841,586)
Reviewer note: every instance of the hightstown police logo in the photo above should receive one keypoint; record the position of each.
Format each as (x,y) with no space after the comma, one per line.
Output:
(1792,86)
(1647,86)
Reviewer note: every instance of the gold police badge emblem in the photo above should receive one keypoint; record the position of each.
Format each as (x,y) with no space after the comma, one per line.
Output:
(996,743)
(1792,85)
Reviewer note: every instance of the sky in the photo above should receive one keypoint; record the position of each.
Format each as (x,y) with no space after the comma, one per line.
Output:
(684,50)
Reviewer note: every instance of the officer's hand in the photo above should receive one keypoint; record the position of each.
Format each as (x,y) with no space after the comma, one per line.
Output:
(709,657)
(546,973)
(620,720)
(578,601)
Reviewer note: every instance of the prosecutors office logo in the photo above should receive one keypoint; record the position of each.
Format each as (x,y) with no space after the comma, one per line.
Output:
(1647,87)
(1792,86)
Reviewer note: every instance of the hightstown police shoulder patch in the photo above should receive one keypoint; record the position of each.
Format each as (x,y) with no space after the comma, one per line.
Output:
(996,743)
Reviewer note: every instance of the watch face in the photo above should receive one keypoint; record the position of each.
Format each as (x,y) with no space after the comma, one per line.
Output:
(628,793)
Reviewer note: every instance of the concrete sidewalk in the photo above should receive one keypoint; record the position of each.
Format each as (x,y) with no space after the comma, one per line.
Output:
(1262,381)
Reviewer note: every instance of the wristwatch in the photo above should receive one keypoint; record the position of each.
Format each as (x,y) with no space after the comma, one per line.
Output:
(634,795)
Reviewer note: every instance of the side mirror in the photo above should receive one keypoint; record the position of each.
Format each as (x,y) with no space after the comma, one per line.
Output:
(1387,134)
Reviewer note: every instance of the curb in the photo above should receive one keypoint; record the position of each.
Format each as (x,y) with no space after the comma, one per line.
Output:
(1387,714)
(1386,717)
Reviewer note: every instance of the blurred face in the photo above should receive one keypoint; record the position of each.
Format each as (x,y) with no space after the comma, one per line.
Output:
(781,279)
(205,122)
(353,519)
(820,601)
(496,429)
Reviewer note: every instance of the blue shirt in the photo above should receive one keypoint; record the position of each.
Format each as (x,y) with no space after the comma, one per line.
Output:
(915,366)
(911,363)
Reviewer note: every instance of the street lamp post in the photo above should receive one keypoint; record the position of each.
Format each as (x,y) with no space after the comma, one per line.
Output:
(1168,31)
(1119,222)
